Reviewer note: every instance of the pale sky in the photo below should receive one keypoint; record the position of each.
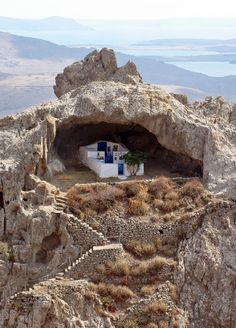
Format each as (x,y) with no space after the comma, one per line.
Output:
(118,9)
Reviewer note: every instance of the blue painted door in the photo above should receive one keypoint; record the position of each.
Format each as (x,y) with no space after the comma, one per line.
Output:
(102,146)
(121,169)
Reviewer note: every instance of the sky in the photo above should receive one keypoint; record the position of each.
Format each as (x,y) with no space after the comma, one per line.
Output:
(118,9)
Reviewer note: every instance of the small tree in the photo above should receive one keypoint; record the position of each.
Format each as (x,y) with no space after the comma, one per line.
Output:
(134,159)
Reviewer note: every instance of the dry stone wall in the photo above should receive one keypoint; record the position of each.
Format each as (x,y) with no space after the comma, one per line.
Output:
(86,268)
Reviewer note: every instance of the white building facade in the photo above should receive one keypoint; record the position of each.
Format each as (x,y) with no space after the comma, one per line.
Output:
(105,158)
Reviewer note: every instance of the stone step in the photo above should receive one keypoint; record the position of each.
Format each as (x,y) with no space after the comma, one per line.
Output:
(61,201)
(62,198)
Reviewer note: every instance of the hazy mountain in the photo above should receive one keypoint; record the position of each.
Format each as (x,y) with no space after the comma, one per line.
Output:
(46,24)
(34,63)
(118,32)
(31,48)
(166,74)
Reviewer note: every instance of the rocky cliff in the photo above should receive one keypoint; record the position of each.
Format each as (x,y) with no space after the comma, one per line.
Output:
(41,238)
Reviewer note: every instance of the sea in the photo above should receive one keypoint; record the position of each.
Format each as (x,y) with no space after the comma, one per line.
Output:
(213,68)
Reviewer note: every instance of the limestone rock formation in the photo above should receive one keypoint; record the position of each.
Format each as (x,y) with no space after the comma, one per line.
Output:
(214,107)
(206,275)
(56,303)
(45,238)
(97,66)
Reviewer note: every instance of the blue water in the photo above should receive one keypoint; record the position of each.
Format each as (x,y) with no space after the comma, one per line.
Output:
(218,69)
(155,51)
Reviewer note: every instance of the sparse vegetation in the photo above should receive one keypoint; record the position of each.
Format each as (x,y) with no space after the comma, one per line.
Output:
(148,290)
(163,324)
(127,323)
(152,266)
(152,325)
(158,197)
(118,293)
(138,207)
(192,188)
(118,268)
(5,249)
(161,186)
(86,198)
(173,291)
(158,307)
(140,249)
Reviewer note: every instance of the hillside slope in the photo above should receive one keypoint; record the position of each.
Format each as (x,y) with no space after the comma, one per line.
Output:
(29,56)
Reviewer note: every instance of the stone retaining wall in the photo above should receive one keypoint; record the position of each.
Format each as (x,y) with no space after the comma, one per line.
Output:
(83,235)
(99,255)
(123,230)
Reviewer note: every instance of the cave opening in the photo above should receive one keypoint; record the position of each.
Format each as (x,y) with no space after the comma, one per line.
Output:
(49,244)
(160,161)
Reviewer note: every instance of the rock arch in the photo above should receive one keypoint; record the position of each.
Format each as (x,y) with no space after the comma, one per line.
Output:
(72,134)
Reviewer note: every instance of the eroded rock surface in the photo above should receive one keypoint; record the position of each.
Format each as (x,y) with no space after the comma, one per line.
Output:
(207,272)
(97,66)
(44,240)
(56,303)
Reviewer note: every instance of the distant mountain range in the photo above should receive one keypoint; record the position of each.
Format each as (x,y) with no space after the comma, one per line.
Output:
(30,62)
(68,31)
(31,48)
(46,24)
(188,44)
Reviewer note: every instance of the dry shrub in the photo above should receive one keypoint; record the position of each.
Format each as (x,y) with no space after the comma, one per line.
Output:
(152,325)
(173,291)
(158,307)
(112,193)
(167,205)
(137,207)
(89,295)
(161,186)
(169,218)
(133,188)
(152,267)
(118,293)
(118,268)
(127,323)
(172,195)
(142,195)
(158,243)
(83,189)
(158,203)
(148,290)
(170,205)
(108,303)
(98,199)
(192,188)
(141,248)
(163,324)
(5,249)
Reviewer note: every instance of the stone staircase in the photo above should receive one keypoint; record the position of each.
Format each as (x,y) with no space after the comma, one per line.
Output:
(61,203)
(77,227)
(78,261)
(85,266)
